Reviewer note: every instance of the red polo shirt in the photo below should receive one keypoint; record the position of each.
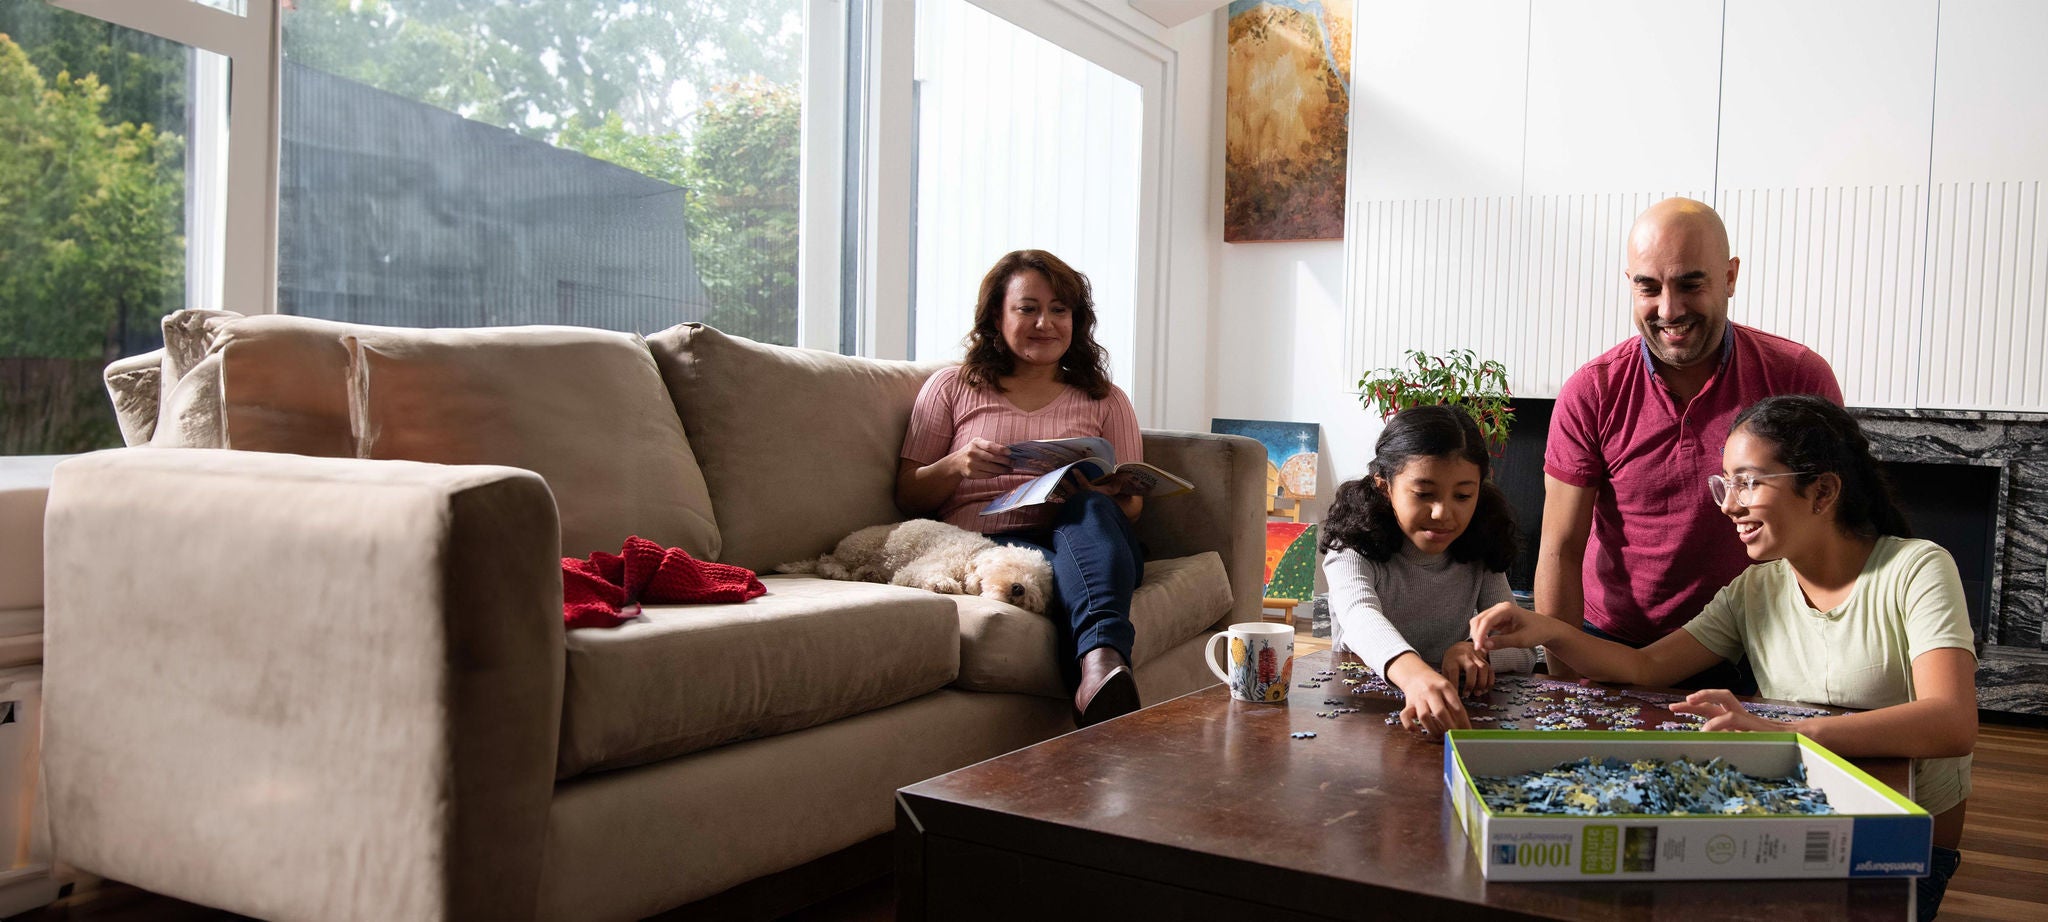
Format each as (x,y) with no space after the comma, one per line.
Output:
(1659,548)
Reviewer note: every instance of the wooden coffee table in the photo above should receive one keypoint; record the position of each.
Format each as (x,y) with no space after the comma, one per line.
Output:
(1207,808)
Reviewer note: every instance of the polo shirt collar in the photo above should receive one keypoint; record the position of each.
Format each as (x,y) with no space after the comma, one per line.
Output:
(1727,349)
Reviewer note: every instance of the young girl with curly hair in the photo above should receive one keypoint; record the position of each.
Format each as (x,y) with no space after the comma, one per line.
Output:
(1412,551)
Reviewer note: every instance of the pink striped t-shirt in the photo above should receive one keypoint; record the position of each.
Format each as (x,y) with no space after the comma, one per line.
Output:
(949,414)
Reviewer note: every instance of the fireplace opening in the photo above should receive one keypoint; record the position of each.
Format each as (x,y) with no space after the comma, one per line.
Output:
(1955,506)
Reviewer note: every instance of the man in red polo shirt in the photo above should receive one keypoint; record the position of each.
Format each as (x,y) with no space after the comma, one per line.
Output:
(1632,546)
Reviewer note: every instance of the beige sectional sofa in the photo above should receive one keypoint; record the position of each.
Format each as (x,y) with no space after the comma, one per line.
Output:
(311,663)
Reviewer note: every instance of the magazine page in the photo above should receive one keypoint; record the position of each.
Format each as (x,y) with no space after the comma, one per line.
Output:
(1049,487)
(1052,454)
(1136,478)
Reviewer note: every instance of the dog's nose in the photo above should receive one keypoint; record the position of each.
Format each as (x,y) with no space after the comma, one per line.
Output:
(1016,589)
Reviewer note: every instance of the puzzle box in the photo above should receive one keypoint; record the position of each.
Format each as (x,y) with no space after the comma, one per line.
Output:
(1875,832)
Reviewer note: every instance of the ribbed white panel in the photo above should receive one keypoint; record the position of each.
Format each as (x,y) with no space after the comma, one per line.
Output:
(1536,283)
(1987,305)
(1576,278)
(1839,270)
(1424,272)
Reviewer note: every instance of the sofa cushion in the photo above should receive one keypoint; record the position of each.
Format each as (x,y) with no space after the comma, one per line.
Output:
(188,340)
(284,385)
(1004,648)
(583,408)
(190,415)
(135,384)
(689,677)
(799,446)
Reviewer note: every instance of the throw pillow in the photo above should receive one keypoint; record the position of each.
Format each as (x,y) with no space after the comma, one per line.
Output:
(798,446)
(583,408)
(191,413)
(134,384)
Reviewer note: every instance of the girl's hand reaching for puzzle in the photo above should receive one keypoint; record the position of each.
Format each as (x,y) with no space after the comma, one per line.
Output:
(1432,701)
(1469,670)
(1510,625)
(1724,712)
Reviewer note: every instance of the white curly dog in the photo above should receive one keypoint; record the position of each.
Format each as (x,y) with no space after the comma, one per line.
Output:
(933,555)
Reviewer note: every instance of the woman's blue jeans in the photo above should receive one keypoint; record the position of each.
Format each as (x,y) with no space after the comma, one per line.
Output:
(1096,566)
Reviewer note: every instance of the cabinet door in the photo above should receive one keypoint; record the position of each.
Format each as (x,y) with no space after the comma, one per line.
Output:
(1987,293)
(1825,126)
(1621,114)
(1436,165)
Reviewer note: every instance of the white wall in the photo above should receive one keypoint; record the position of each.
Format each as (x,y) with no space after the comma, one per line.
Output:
(1990,154)
(1880,163)
(1279,352)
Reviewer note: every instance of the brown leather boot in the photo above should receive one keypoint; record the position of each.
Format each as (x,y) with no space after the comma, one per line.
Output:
(1108,689)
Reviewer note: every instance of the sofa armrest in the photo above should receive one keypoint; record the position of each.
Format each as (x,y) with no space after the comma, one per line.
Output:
(24,490)
(1225,514)
(303,687)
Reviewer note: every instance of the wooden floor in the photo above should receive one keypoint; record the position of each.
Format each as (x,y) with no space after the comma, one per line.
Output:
(2004,874)
(2005,838)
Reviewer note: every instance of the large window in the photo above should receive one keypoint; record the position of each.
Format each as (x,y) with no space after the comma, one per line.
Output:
(108,160)
(471,163)
(625,165)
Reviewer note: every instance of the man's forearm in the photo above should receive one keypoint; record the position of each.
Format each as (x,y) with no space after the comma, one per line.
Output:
(1559,592)
(1560,595)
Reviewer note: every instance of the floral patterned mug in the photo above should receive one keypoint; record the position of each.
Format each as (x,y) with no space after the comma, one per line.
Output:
(1261,660)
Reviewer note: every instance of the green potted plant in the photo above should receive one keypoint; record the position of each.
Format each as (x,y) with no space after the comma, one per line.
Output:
(1456,377)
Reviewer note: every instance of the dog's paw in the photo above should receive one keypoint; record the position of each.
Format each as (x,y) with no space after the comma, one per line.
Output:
(921,578)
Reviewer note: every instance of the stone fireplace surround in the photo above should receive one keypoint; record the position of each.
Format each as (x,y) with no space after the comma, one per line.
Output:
(2012,673)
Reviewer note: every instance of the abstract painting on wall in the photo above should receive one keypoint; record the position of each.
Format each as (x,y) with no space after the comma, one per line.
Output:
(1287,115)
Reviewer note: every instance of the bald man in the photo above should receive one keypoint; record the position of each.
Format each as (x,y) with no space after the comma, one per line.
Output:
(1633,547)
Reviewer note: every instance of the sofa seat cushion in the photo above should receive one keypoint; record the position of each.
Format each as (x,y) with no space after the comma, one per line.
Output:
(689,677)
(1004,648)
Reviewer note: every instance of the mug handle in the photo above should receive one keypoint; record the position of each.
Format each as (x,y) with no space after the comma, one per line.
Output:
(1209,655)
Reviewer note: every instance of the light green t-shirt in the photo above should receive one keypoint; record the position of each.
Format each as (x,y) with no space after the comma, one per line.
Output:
(1908,600)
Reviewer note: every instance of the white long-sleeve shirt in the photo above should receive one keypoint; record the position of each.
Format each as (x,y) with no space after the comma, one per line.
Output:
(1412,602)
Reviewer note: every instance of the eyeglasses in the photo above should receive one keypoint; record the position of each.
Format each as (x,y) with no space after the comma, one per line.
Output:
(1744,484)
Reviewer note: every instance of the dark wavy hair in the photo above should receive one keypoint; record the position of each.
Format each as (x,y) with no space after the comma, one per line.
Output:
(1814,437)
(1362,518)
(1086,363)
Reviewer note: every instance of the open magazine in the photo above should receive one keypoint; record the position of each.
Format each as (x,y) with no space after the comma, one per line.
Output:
(1057,462)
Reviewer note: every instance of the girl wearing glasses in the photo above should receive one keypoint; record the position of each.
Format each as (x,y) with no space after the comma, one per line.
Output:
(1845,609)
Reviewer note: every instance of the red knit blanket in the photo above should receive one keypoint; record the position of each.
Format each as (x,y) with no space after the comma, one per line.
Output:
(607,589)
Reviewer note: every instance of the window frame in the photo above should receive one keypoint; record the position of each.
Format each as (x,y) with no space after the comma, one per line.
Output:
(243,275)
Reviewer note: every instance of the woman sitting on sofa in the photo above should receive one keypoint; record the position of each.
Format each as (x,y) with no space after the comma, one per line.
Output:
(1034,371)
